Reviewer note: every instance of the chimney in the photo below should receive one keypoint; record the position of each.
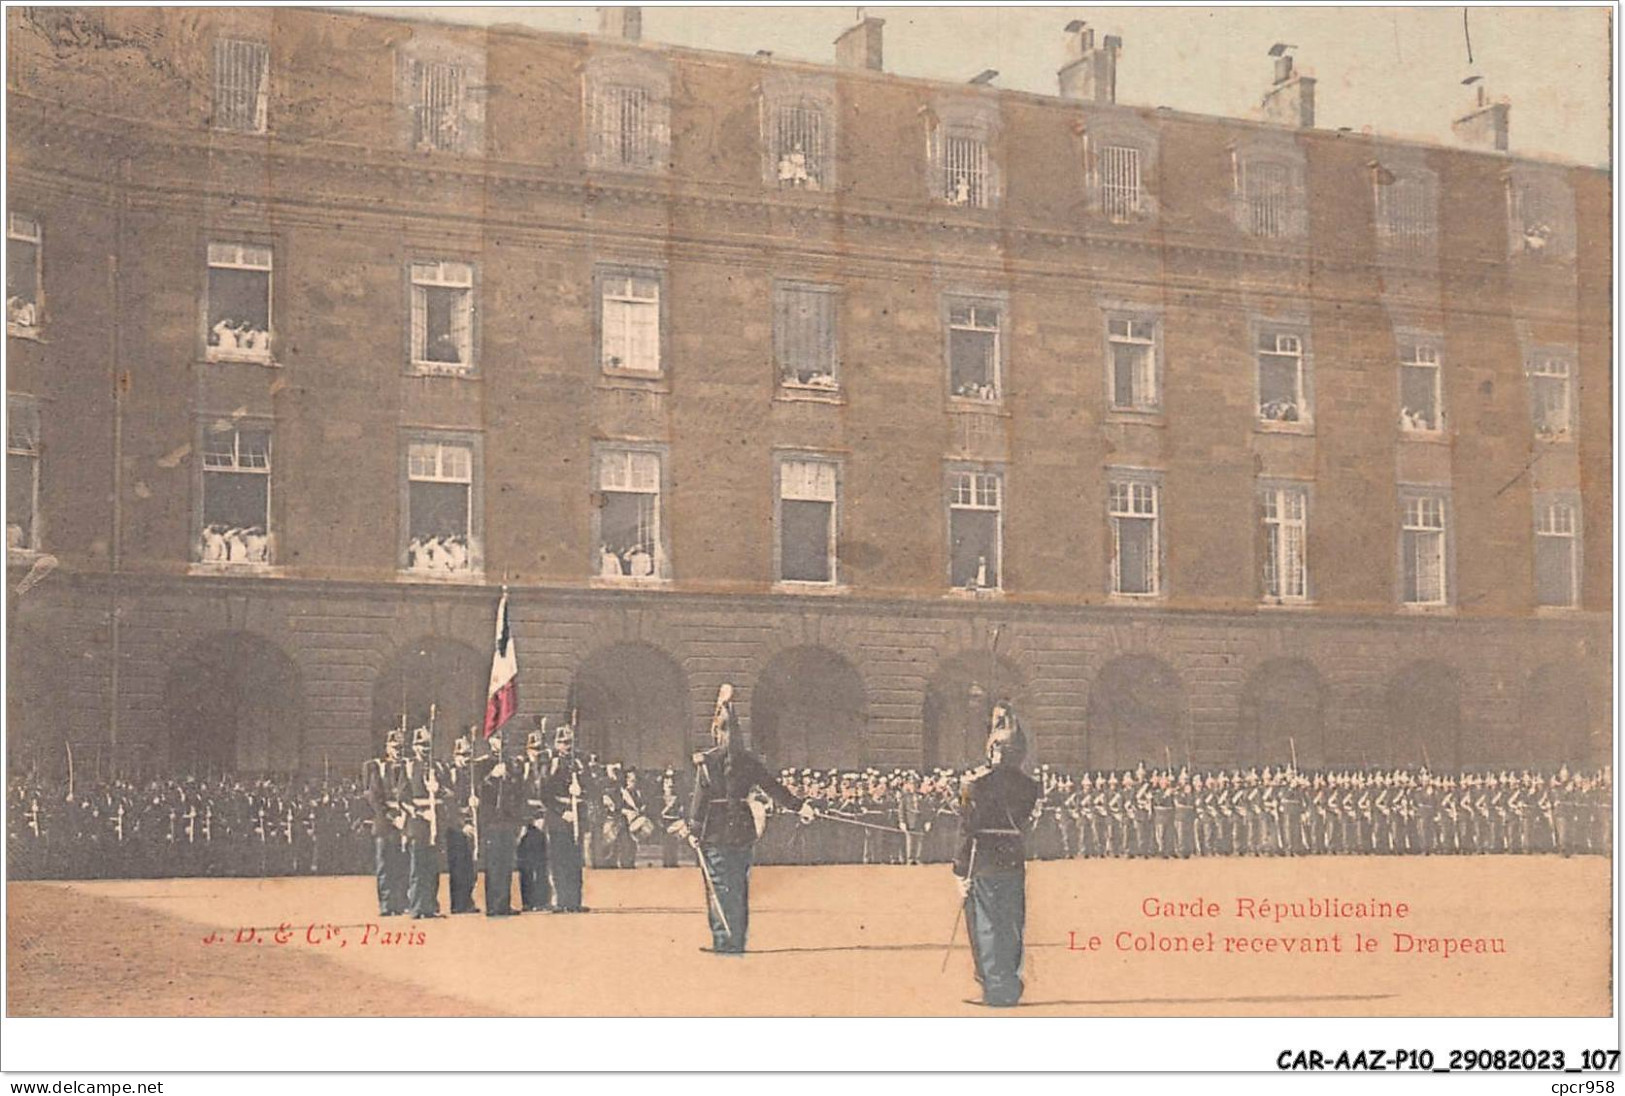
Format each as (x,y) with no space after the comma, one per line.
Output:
(1290,101)
(1486,125)
(1090,72)
(859,46)
(621,23)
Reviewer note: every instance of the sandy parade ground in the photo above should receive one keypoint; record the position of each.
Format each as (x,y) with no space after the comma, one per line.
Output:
(1318,936)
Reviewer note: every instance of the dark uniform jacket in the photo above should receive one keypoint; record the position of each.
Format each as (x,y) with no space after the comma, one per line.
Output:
(501,797)
(378,779)
(719,811)
(992,821)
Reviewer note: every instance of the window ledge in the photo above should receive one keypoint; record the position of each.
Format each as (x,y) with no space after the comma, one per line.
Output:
(1566,438)
(806,393)
(24,557)
(245,570)
(472,577)
(1125,416)
(968,405)
(1411,609)
(439,369)
(1557,610)
(989,593)
(627,582)
(634,379)
(243,359)
(32,334)
(1289,605)
(813,589)
(1424,437)
(1300,429)
(1118,598)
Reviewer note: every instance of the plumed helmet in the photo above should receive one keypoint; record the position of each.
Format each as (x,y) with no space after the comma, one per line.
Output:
(564,736)
(533,740)
(420,737)
(394,737)
(1007,738)
(462,747)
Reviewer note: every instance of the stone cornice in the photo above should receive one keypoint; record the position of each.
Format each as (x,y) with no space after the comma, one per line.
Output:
(102,584)
(401,171)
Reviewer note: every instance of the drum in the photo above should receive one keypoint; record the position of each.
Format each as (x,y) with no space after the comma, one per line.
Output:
(642,828)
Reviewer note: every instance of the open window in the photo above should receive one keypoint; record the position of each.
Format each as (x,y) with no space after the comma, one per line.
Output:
(442,317)
(238,315)
(808,489)
(442,535)
(975,529)
(23,257)
(236,510)
(629,515)
(975,330)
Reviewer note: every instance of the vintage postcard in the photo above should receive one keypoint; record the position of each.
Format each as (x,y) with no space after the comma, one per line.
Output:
(1054,511)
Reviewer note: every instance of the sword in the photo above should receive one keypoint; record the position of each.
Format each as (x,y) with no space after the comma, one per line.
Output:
(711,896)
(960,914)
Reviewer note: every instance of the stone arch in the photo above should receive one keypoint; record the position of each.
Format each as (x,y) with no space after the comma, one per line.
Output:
(1136,713)
(958,701)
(448,673)
(1422,719)
(632,705)
(1282,709)
(37,677)
(234,702)
(1556,720)
(809,707)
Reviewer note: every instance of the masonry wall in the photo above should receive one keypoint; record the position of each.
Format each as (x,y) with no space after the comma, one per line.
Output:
(111,151)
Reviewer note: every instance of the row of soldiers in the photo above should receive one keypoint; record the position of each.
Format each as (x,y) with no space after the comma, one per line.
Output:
(1283,812)
(268,827)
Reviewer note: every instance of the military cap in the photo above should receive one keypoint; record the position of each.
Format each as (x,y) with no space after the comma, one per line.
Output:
(393,738)
(420,737)
(533,740)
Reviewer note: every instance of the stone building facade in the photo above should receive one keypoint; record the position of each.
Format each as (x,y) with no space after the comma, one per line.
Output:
(1205,439)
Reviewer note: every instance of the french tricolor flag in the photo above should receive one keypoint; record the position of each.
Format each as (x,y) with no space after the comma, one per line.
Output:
(503,697)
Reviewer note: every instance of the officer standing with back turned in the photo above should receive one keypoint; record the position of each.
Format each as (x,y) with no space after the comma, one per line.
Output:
(991,865)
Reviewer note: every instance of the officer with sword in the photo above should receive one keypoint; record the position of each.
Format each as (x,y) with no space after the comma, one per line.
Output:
(722,827)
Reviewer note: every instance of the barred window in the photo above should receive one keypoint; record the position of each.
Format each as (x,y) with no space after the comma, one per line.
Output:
(974,351)
(1267,197)
(965,179)
(804,336)
(239,304)
(1405,209)
(1422,544)
(442,316)
(1557,551)
(629,339)
(1286,527)
(800,146)
(1132,509)
(1549,390)
(438,106)
(807,500)
(440,514)
(975,529)
(1540,212)
(1420,388)
(628,517)
(629,127)
(241,85)
(22,475)
(23,257)
(236,496)
(1282,386)
(1121,195)
(1131,343)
